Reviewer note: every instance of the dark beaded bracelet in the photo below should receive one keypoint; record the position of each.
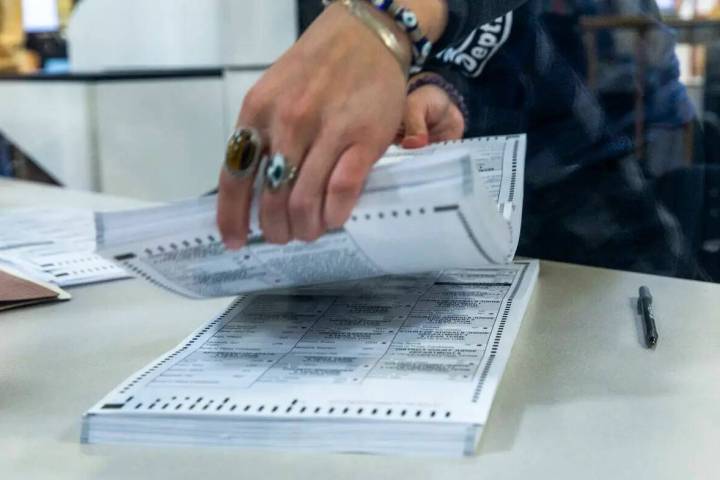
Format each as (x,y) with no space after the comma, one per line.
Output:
(438,81)
(407,20)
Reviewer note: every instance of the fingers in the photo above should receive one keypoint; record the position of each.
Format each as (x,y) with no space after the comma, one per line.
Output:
(431,116)
(233,212)
(235,194)
(293,133)
(346,183)
(326,189)
(413,142)
(306,202)
(416,125)
(450,127)
(274,204)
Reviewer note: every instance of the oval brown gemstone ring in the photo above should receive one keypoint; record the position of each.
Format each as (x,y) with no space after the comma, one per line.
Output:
(243,153)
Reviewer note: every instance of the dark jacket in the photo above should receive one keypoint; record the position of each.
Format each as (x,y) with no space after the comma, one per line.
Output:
(589,197)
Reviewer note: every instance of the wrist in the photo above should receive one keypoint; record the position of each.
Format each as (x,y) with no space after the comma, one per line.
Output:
(399,44)
(411,23)
(399,33)
(399,25)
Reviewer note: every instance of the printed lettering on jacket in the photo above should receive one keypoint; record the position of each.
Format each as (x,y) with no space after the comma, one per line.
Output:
(480,46)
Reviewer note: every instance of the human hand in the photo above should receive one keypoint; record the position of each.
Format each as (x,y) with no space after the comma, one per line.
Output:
(430,116)
(331,105)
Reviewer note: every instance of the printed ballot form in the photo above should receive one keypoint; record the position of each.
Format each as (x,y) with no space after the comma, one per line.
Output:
(451,205)
(389,335)
(397,364)
(55,245)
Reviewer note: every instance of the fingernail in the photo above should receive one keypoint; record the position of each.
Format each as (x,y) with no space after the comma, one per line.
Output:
(415,141)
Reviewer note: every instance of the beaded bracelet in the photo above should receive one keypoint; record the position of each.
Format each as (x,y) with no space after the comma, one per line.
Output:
(452,92)
(407,20)
(362,11)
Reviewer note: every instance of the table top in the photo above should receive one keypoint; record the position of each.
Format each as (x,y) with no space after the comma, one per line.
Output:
(580,398)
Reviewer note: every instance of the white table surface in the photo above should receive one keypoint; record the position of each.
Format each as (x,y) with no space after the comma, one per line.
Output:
(581,397)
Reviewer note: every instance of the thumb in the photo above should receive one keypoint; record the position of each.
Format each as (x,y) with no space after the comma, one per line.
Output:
(416,128)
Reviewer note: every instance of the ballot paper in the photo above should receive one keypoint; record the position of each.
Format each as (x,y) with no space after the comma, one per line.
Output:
(451,205)
(55,245)
(396,365)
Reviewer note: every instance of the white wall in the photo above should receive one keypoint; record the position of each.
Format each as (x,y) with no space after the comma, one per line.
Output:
(160,139)
(53,123)
(157,139)
(165,139)
(257,32)
(237,84)
(137,34)
(143,34)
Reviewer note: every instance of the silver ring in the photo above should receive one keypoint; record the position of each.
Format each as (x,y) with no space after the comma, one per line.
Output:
(244,151)
(279,172)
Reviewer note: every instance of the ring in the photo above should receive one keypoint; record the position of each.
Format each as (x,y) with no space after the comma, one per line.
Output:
(279,172)
(243,152)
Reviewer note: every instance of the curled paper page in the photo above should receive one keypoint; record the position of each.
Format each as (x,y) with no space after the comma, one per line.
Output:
(453,205)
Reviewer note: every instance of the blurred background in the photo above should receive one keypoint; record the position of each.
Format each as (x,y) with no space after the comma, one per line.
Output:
(94,91)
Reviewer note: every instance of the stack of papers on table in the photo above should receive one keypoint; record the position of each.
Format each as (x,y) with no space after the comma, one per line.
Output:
(404,362)
(55,246)
(396,365)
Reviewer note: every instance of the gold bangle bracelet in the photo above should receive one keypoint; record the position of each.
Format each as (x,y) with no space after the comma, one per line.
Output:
(361,11)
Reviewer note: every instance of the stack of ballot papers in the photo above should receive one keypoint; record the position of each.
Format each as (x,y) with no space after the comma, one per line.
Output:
(452,205)
(347,344)
(395,365)
(55,245)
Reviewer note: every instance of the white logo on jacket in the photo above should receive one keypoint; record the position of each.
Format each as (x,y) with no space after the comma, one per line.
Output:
(480,46)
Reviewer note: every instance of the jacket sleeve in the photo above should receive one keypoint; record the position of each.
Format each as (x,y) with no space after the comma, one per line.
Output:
(466,15)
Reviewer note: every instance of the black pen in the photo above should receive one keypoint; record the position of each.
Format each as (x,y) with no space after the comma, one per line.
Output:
(646,311)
